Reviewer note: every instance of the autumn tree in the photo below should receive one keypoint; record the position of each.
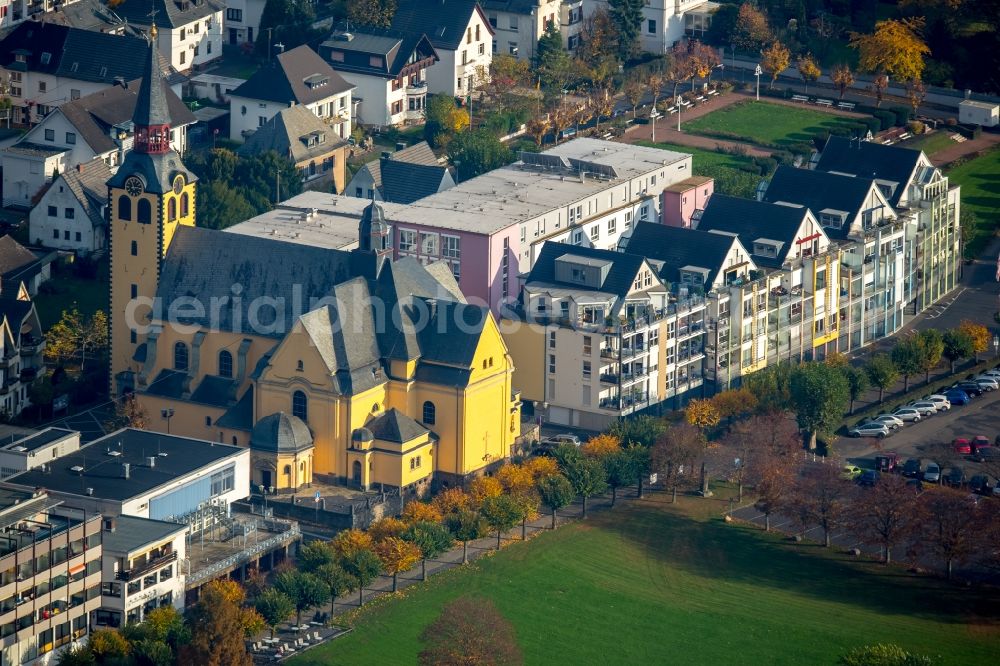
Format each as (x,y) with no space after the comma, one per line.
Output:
(820,497)
(880,83)
(704,59)
(895,48)
(774,60)
(275,607)
(397,555)
(501,513)
(336,579)
(541,466)
(504,74)
(386,527)
(588,478)
(843,78)
(882,373)
(418,512)
(808,70)
(916,91)
(107,646)
(884,514)
(979,334)
(470,631)
(537,128)
(771,476)
(451,500)
(768,434)
(657,83)
(348,542)
(751,31)
(465,525)
(952,525)
(819,398)
(702,414)
(601,445)
(374,13)
(304,589)
(958,344)
(931,350)
(905,355)
(77,337)
(675,453)
(733,403)
(482,488)
(216,630)
(599,39)
(556,492)
(857,384)
(364,566)
(443,120)
(431,538)
(681,67)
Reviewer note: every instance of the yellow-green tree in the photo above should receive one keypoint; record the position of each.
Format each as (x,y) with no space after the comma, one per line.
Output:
(702,413)
(452,500)
(843,78)
(483,487)
(397,556)
(384,528)
(601,445)
(895,48)
(421,512)
(980,336)
(774,60)
(808,70)
(351,541)
(75,336)
(751,31)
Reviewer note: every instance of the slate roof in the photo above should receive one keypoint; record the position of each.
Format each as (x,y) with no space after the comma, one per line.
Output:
(240,415)
(169,13)
(418,153)
(15,312)
(284,80)
(395,426)
(168,384)
(89,15)
(751,220)
(677,248)
(88,185)
(215,390)
(444,25)
(820,190)
(510,6)
(618,282)
(403,182)
(158,170)
(13,255)
(151,101)
(73,53)
(284,135)
(870,160)
(393,46)
(94,115)
(132,533)
(281,433)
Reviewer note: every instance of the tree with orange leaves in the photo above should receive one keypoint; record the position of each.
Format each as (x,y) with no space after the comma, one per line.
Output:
(397,555)
(702,413)
(601,445)
(541,466)
(421,512)
(351,541)
(483,487)
(452,500)
(383,528)
(774,60)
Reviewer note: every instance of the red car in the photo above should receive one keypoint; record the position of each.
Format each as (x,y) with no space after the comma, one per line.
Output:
(962,445)
(978,442)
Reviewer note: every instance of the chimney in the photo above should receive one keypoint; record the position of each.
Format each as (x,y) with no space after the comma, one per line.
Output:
(79,167)
(90,492)
(126,469)
(386,154)
(151,461)
(400,145)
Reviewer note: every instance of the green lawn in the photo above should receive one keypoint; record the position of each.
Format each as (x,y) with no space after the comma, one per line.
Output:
(980,181)
(930,143)
(702,158)
(650,584)
(88,296)
(764,123)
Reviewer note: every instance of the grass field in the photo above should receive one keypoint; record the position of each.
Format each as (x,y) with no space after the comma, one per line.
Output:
(765,124)
(702,157)
(88,296)
(980,181)
(647,583)
(930,143)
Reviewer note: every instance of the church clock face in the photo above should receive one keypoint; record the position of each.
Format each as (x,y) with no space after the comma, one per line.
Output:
(178,184)
(133,186)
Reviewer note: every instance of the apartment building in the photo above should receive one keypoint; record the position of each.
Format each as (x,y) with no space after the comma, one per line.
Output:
(190,31)
(519,24)
(666,22)
(14,12)
(598,335)
(36,449)
(50,575)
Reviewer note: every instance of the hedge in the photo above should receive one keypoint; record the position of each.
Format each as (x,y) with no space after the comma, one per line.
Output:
(902,115)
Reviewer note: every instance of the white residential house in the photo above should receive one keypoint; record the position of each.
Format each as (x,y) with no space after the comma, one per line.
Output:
(519,24)
(299,76)
(70,216)
(98,125)
(242,23)
(189,31)
(461,36)
(388,71)
(665,22)
(14,12)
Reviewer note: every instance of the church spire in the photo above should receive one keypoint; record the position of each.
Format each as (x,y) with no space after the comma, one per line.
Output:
(152,117)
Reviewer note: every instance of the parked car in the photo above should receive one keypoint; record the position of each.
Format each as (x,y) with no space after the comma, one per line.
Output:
(972,388)
(978,442)
(940,401)
(889,420)
(907,414)
(986,453)
(850,472)
(993,372)
(962,446)
(911,468)
(925,407)
(887,462)
(932,473)
(957,397)
(869,477)
(988,383)
(879,430)
(557,440)
(981,484)
(955,477)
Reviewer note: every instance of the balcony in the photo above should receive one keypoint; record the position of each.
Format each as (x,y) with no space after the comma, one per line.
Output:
(628,352)
(137,572)
(609,378)
(608,352)
(31,345)
(634,376)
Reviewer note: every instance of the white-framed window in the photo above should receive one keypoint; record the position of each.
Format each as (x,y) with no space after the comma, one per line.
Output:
(552,364)
(407,240)
(612,226)
(429,244)
(575,213)
(595,232)
(552,338)
(451,247)
(588,347)
(456,270)
(587,369)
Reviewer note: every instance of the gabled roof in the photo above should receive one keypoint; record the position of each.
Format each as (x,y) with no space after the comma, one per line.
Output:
(73,53)
(403,182)
(418,153)
(88,185)
(751,220)
(169,13)
(240,415)
(13,255)
(524,7)
(392,47)
(677,248)
(94,115)
(620,276)
(396,427)
(871,160)
(444,22)
(89,15)
(295,133)
(151,103)
(819,191)
(298,76)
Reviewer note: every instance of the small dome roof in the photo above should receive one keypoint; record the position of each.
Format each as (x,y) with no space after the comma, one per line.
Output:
(281,432)
(362,435)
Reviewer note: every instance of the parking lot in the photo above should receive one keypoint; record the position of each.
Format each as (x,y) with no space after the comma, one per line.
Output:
(931,438)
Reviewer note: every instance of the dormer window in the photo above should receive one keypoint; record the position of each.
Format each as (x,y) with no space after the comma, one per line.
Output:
(46,58)
(315,81)
(21,57)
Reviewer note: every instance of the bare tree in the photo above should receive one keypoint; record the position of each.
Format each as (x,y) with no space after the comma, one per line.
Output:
(674,455)
(822,498)
(885,514)
(470,631)
(953,526)
(772,477)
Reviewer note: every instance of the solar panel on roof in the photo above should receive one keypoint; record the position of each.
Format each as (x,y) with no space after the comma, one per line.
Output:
(605,170)
(543,160)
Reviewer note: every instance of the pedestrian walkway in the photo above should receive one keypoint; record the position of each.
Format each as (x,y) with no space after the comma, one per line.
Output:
(948,155)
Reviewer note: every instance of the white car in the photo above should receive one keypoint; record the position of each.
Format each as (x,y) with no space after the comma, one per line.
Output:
(889,420)
(942,402)
(907,414)
(925,407)
(988,383)
(872,429)
(994,373)
(932,473)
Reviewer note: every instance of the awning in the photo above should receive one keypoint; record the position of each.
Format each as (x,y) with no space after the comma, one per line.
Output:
(77,569)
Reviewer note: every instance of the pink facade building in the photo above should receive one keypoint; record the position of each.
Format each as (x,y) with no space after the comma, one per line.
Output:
(682,199)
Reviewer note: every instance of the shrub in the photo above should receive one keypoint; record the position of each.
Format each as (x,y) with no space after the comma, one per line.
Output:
(951,122)
(784,157)
(841,130)
(767,165)
(725,87)
(883,654)
(902,115)
(916,127)
(802,149)
(874,124)
(820,139)
(886,118)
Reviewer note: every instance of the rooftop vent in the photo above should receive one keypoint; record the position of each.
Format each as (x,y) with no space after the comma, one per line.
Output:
(77,469)
(90,492)
(114,453)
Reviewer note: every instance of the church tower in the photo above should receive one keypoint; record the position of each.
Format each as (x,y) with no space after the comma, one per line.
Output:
(149,197)
(373,238)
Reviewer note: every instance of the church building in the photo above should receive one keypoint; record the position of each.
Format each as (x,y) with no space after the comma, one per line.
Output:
(343,366)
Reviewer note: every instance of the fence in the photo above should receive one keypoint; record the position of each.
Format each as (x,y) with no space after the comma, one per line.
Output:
(344,515)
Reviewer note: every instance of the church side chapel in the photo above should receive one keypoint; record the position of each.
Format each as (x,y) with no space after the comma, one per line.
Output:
(341,366)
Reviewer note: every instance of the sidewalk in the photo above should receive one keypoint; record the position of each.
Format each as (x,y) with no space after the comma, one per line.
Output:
(985,141)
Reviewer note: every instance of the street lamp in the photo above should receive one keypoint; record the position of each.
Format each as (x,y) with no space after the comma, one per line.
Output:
(757,72)
(679,107)
(168,414)
(996,345)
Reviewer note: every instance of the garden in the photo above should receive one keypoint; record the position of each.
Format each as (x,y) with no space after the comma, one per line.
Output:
(766,124)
